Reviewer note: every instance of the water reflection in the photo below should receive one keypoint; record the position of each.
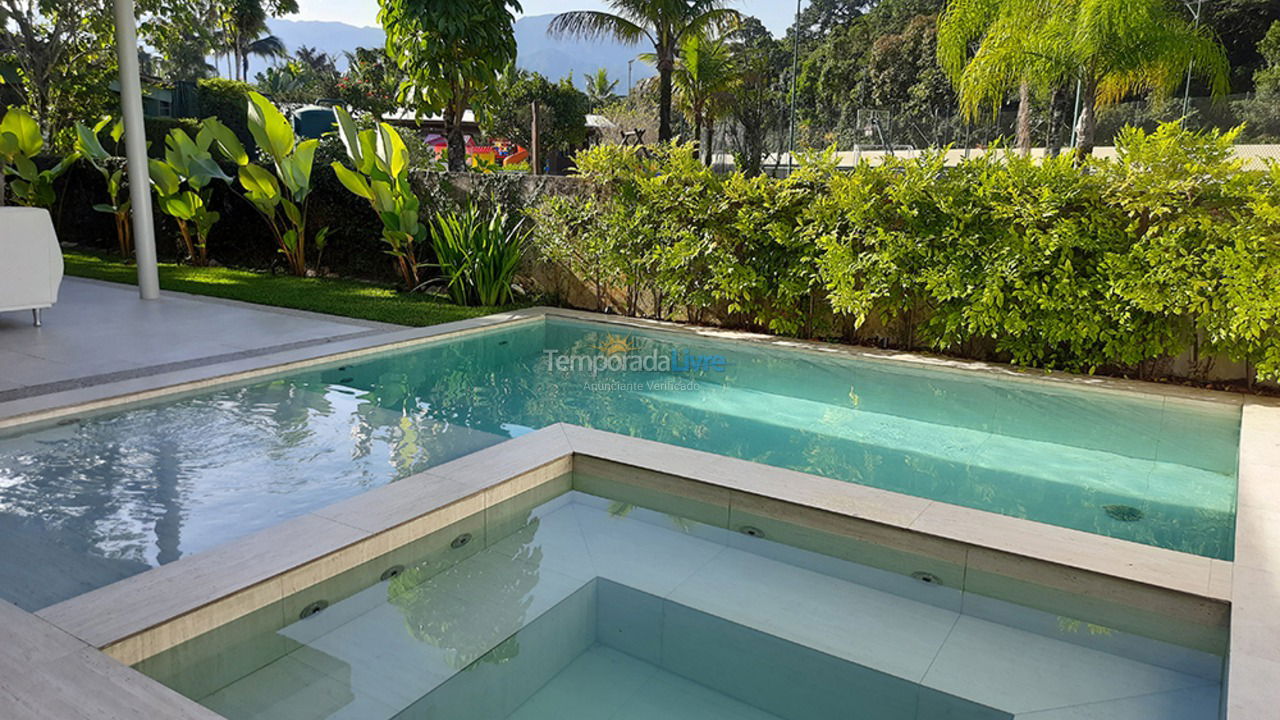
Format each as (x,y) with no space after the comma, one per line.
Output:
(114,493)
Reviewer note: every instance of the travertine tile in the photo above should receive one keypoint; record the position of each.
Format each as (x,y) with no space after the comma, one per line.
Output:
(498,463)
(1252,690)
(1063,546)
(652,489)
(107,615)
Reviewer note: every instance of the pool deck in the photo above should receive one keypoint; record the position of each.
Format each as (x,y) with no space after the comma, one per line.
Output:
(101,332)
(984,547)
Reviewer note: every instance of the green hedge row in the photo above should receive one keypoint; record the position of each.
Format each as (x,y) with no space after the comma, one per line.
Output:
(1119,264)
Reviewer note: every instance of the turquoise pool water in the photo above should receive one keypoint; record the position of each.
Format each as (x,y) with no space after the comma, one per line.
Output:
(589,609)
(102,497)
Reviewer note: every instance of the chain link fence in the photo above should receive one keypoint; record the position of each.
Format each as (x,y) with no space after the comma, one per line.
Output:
(873,133)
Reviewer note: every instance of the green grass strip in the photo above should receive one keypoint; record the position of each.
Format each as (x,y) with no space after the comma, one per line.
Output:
(348,298)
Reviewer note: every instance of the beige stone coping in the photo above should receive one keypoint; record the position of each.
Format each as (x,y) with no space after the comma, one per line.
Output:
(158,609)
(1253,678)
(46,674)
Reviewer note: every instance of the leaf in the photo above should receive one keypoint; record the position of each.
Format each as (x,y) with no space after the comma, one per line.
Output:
(352,181)
(269,127)
(349,134)
(258,182)
(24,129)
(226,141)
(87,142)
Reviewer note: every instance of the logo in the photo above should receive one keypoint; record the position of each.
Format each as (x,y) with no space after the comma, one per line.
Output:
(618,353)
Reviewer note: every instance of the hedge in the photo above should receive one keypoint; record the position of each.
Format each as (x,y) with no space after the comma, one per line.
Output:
(1118,264)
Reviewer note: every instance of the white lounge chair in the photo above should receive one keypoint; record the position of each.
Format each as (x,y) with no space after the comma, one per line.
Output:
(30,261)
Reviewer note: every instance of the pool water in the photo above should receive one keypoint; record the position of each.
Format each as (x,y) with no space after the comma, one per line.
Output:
(593,609)
(102,497)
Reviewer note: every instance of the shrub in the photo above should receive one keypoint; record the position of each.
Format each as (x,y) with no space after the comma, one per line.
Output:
(225,100)
(479,252)
(1122,263)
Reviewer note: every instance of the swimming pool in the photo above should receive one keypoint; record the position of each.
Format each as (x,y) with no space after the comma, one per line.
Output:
(586,607)
(102,497)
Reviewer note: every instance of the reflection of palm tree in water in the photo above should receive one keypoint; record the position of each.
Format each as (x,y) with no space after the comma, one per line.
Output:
(469,610)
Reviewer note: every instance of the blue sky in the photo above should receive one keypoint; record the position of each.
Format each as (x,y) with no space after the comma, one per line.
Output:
(775,14)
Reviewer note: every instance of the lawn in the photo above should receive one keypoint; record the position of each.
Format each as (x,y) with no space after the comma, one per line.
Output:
(349,298)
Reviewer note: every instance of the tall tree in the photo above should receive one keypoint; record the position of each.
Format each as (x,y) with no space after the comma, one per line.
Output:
(1112,48)
(451,52)
(64,53)
(244,31)
(666,24)
(966,26)
(702,78)
(756,100)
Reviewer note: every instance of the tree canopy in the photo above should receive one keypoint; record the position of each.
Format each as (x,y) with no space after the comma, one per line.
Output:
(450,52)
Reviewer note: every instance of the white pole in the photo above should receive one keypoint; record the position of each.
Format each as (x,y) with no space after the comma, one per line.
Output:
(135,143)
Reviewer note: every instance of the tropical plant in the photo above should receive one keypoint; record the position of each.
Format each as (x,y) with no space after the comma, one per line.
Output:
(451,52)
(600,89)
(118,203)
(370,83)
(703,77)
(183,184)
(381,176)
(280,196)
(478,253)
(244,31)
(666,24)
(20,143)
(967,25)
(1111,48)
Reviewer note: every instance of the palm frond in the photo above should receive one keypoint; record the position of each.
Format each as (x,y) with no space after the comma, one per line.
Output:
(597,25)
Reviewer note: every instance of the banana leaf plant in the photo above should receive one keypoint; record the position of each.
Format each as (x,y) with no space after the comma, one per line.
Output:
(279,194)
(118,206)
(20,143)
(182,181)
(381,176)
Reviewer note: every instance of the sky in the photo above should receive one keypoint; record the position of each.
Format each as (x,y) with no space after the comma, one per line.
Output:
(775,14)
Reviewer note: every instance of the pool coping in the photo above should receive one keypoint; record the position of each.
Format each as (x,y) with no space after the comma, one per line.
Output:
(148,613)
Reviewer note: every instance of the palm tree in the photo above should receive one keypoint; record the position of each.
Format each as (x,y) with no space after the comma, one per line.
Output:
(702,78)
(245,32)
(600,89)
(1110,49)
(968,25)
(664,23)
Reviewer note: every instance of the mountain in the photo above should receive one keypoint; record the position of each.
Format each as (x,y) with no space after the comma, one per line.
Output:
(553,57)
(557,57)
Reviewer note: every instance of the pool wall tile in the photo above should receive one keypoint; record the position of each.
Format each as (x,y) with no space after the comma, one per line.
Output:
(218,658)
(487,689)
(653,490)
(777,676)
(629,621)
(1198,623)
(935,705)
(506,512)
(867,543)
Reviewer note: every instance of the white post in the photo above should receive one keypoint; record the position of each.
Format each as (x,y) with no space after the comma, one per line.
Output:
(135,142)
